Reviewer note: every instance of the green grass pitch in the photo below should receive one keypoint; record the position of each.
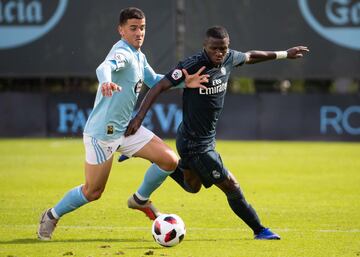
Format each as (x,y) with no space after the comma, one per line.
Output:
(307,192)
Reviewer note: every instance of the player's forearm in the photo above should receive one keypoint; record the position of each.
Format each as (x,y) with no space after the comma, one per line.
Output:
(103,72)
(151,96)
(260,56)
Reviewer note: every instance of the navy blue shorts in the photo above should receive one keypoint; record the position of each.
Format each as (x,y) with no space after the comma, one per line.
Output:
(205,161)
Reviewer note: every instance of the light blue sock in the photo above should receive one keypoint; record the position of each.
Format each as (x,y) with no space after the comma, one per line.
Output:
(154,177)
(71,201)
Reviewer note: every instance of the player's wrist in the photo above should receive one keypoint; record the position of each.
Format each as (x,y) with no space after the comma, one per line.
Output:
(140,116)
(281,54)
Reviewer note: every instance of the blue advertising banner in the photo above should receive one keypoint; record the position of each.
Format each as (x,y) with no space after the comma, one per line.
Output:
(252,117)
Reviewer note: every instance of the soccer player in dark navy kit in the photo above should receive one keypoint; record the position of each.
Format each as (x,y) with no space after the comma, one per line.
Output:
(200,163)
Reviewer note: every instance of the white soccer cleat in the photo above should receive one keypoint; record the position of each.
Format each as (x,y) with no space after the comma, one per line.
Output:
(148,208)
(46,226)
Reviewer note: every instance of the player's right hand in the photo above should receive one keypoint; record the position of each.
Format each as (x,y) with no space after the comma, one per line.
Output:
(133,126)
(195,80)
(297,52)
(107,88)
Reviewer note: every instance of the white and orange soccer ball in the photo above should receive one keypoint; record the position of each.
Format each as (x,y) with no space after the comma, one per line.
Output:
(168,230)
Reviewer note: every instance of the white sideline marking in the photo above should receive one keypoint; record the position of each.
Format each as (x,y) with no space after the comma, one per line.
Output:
(192,228)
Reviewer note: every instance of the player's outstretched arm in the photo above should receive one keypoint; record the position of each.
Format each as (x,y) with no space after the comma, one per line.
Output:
(261,56)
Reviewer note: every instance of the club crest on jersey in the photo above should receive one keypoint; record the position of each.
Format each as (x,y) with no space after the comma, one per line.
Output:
(177,74)
(110,129)
(138,86)
(223,70)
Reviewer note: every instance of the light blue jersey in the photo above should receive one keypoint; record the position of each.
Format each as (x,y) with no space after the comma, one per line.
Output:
(128,68)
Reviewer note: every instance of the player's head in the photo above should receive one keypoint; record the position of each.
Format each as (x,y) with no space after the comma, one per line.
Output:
(216,44)
(132,26)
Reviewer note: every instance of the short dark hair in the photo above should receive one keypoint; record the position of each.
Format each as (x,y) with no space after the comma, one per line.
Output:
(130,13)
(217,32)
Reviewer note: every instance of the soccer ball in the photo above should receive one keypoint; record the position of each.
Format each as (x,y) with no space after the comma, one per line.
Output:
(168,230)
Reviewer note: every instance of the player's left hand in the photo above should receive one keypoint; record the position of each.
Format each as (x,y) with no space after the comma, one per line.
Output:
(195,80)
(107,88)
(133,126)
(297,52)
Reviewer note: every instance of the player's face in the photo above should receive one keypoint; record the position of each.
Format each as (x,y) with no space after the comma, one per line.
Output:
(133,31)
(216,49)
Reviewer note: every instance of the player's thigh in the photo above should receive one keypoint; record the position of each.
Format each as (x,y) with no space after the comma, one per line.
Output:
(158,152)
(192,180)
(96,177)
(209,167)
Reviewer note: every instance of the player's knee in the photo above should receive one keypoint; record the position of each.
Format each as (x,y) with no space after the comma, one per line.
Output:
(193,189)
(229,185)
(169,161)
(192,185)
(93,195)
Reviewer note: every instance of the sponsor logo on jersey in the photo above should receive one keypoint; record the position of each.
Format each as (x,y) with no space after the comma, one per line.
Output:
(22,22)
(336,20)
(217,87)
(177,74)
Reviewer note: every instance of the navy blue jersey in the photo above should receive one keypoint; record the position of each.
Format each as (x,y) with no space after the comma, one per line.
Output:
(202,107)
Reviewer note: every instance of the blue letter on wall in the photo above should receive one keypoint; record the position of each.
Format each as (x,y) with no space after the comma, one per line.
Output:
(333,116)
(71,118)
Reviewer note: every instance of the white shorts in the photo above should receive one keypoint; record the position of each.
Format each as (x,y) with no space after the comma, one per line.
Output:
(98,151)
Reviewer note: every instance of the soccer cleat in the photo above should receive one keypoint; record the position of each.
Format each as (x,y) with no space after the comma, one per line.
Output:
(46,226)
(267,234)
(148,208)
(122,158)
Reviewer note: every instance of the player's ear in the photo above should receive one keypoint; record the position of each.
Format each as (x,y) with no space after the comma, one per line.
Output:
(205,43)
(120,30)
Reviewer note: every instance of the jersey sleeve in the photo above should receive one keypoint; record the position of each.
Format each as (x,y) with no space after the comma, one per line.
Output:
(239,58)
(175,75)
(119,58)
(115,61)
(150,77)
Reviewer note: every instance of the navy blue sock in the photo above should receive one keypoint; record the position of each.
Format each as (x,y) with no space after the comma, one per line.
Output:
(244,210)
(178,176)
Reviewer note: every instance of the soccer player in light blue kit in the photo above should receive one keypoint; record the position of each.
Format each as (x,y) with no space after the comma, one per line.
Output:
(120,77)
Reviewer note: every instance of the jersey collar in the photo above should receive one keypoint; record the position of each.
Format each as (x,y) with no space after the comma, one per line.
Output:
(131,47)
(209,63)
